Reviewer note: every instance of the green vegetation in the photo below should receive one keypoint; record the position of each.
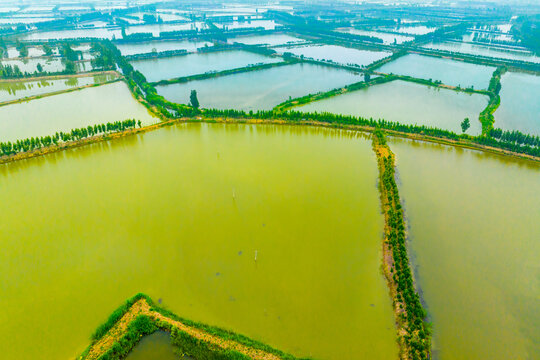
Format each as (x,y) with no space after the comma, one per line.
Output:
(34,143)
(465,125)
(200,350)
(414,331)
(146,321)
(486,116)
(527,29)
(138,328)
(194,102)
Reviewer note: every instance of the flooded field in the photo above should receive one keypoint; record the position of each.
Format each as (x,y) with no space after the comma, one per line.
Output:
(13,90)
(387,38)
(46,116)
(192,64)
(411,104)
(237,232)
(271,40)
(520,103)
(450,72)
(483,50)
(261,90)
(474,230)
(338,54)
(160,46)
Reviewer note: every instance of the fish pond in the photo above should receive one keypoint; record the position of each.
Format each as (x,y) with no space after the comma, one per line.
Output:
(132,48)
(449,72)
(410,103)
(483,50)
(219,222)
(191,64)
(387,38)
(263,89)
(520,103)
(474,230)
(155,346)
(337,54)
(13,90)
(46,116)
(270,40)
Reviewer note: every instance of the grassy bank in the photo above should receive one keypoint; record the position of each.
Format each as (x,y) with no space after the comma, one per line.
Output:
(486,116)
(139,316)
(413,331)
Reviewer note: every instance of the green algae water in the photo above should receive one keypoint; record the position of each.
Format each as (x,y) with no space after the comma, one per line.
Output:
(271,231)
(156,346)
(474,227)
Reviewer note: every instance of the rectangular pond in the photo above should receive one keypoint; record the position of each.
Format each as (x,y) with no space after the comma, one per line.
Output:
(412,29)
(337,54)
(46,116)
(266,24)
(387,38)
(520,103)
(411,104)
(156,29)
(29,65)
(261,90)
(200,63)
(483,50)
(450,72)
(270,40)
(160,46)
(100,33)
(473,232)
(180,213)
(13,90)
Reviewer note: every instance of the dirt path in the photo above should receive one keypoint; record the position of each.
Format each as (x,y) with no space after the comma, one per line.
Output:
(141,307)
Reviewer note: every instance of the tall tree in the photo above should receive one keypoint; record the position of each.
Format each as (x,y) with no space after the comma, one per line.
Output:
(193,99)
(465,124)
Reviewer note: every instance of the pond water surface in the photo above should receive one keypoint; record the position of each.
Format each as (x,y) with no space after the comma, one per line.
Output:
(520,103)
(156,346)
(271,231)
(159,46)
(13,90)
(410,104)
(46,116)
(338,54)
(192,64)
(263,89)
(474,227)
(450,72)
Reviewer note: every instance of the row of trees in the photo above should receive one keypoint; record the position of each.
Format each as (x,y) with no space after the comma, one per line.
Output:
(506,143)
(33,143)
(411,312)
(515,137)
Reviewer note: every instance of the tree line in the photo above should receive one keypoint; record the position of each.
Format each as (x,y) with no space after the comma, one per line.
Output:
(505,143)
(412,314)
(33,143)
